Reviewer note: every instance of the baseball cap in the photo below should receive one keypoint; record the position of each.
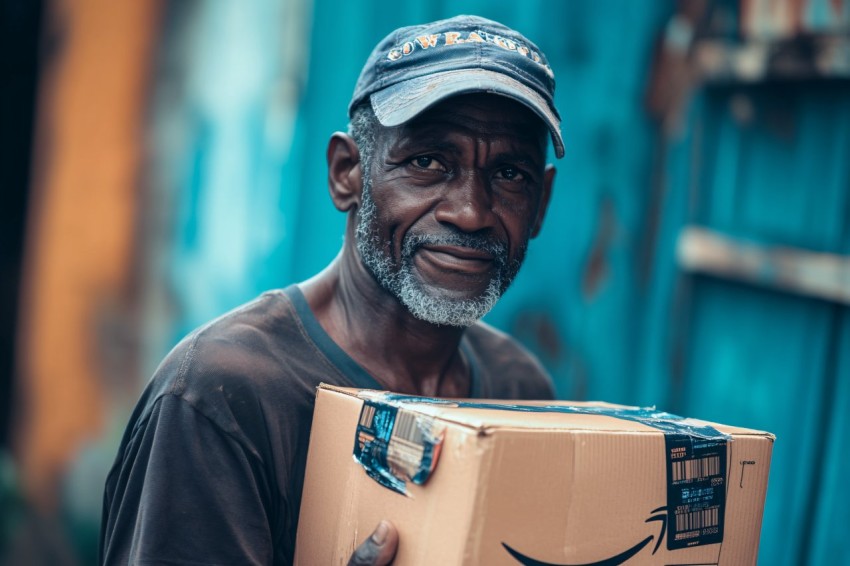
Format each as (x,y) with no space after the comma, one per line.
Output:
(415,67)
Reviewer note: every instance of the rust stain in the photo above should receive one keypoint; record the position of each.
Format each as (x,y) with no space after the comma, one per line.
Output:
(597,269)
(540,328)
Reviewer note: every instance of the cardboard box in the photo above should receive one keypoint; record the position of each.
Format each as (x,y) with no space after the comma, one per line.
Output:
(532,483)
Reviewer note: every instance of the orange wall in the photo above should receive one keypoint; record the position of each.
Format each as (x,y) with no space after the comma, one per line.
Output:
(77,286)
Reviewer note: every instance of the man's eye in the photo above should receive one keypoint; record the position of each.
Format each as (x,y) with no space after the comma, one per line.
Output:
(425,162)
(510,174)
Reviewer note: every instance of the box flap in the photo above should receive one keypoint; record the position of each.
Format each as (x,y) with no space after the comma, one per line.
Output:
(487,415)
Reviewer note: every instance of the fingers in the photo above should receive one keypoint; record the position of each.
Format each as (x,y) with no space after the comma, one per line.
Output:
(379,549)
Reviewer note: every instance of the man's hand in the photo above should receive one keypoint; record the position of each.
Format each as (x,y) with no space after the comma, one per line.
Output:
(379,549)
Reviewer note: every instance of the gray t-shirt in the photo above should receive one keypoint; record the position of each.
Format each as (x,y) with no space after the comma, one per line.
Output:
(211,465)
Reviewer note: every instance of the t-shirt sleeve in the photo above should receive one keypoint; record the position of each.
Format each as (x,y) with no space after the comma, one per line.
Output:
(186,492)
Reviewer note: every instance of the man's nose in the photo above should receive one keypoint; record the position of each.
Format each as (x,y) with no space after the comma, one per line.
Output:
(467,204)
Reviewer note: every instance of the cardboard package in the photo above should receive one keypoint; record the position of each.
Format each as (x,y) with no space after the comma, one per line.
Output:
(531,483)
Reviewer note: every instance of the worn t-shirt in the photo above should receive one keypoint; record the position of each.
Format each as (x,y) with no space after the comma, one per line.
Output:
(211,466)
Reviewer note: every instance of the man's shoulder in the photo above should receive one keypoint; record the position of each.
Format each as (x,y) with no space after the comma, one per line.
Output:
(250,356)
(511,370)
(226,412)
(250,340)
(240,342)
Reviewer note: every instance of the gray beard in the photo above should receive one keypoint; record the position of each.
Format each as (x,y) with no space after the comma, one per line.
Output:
(427,303)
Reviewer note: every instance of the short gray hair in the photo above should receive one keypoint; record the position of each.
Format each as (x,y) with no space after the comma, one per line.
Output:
(363,128)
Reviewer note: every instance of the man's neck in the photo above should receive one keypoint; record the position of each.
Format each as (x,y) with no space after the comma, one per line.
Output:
(404,354)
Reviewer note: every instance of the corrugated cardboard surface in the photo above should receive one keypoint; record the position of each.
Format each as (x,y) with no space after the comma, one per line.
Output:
(558,488)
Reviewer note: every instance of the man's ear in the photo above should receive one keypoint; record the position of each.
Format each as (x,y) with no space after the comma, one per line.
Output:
(345,182)
(548,180)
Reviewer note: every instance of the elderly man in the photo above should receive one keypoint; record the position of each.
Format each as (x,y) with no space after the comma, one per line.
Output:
(444,180)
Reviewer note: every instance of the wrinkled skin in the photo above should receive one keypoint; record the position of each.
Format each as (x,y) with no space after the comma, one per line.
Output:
(454,188)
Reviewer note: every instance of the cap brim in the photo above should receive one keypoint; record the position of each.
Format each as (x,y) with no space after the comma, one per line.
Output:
(403,101)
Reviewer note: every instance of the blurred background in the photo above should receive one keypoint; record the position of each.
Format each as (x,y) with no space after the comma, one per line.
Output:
(163,161)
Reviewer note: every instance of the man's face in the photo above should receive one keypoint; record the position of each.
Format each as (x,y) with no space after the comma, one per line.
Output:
(450,203)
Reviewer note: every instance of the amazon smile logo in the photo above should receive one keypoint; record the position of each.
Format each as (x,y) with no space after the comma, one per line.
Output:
(659,514)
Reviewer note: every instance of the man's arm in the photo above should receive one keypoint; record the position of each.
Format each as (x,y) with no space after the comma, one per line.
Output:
(186,492)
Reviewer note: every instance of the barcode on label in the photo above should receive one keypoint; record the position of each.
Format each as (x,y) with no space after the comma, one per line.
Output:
(699,468)
(407,428)
(697,519)
(366,416)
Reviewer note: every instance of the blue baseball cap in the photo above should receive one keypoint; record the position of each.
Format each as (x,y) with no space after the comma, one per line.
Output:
(415,67)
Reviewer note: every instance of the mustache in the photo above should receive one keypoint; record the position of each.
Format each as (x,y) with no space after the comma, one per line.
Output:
(481,242)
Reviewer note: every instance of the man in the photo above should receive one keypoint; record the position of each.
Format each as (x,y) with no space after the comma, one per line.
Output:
(444,181)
